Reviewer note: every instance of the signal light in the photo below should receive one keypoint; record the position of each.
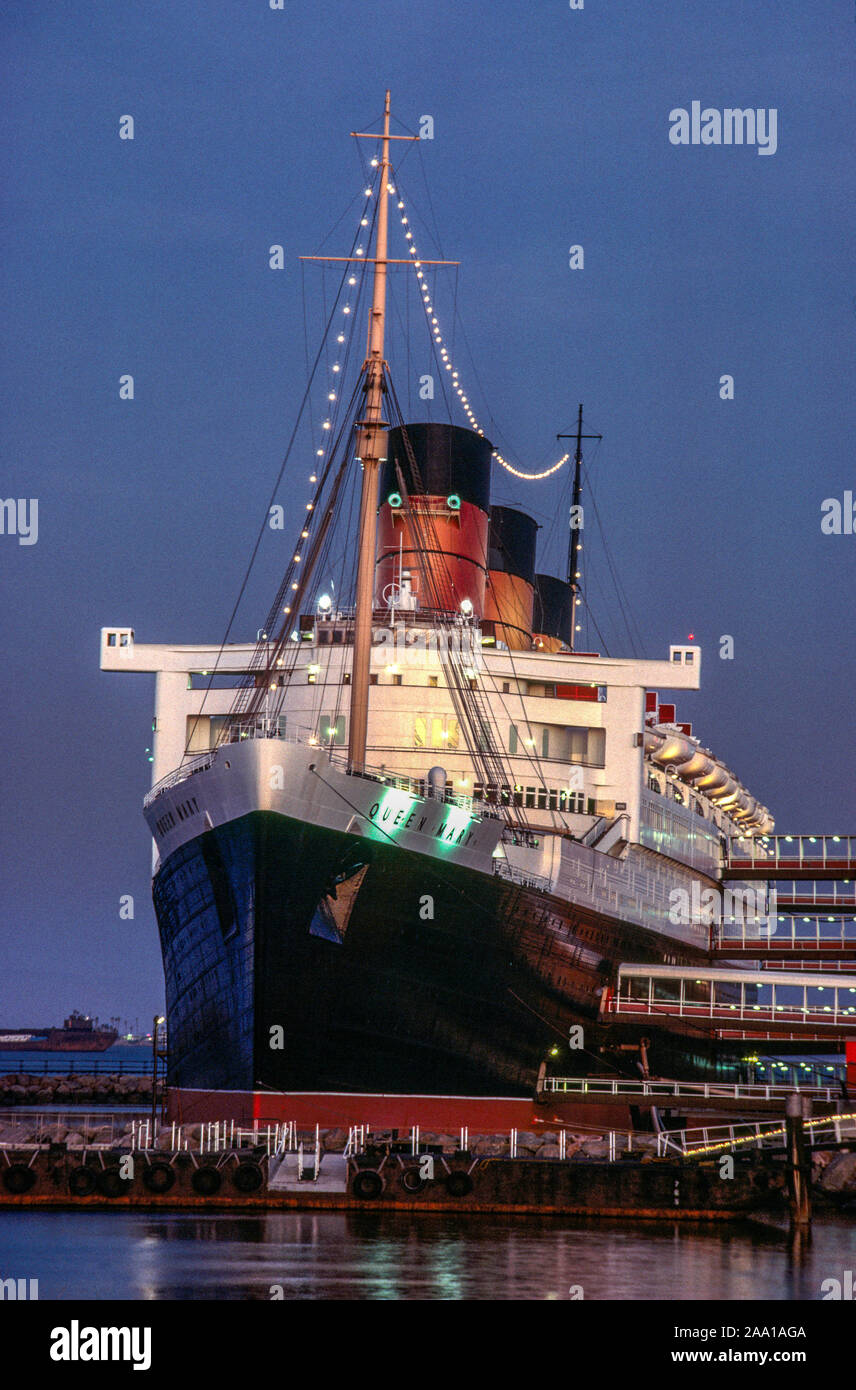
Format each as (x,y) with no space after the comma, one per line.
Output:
(453,502)
(394,499)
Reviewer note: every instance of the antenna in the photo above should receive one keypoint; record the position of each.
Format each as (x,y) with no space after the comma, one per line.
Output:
(575,517)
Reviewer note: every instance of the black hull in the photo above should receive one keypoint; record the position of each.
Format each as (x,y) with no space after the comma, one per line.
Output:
(304,959)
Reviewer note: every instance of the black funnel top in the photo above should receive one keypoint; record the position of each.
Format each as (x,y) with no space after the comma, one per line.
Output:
(551,614)
(449,460)
(511,547)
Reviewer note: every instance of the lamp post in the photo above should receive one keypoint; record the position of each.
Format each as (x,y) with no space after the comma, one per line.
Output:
(158,1020)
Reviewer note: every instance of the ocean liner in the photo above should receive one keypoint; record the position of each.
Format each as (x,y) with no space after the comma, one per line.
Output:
(404,839)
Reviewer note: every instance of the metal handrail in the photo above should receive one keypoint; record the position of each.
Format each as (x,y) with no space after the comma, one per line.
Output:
(708,1139)
(503,869)
(617,1086)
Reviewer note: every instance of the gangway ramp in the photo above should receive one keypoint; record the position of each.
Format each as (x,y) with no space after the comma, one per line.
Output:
(791,857)
(734,1001)
(815,937)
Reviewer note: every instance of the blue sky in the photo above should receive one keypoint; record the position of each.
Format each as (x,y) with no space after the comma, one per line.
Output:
(550,129)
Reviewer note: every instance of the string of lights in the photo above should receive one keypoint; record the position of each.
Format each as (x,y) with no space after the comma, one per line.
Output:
(443,352)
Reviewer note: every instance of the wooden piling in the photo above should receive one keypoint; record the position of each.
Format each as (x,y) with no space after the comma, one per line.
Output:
(797,1110)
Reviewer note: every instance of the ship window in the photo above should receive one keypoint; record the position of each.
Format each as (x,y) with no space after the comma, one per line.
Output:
(596,749)
(373,679)
(397,680)
(311,678)
(542,798)
(434,681)
(545,743)
(506,687)
(677,656)
(553,800)
(452,733)
(111,639)
(688,658)
(530,798)
(512,738)
(420,726)
(654,785)
(346,678)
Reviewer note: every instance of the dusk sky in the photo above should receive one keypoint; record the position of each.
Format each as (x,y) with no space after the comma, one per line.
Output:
(551,129)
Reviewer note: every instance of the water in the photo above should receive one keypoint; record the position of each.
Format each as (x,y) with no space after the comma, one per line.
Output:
(413,1256)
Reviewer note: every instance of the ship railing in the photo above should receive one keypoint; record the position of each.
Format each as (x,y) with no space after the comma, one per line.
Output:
(193,765)
(275,728)
(503,869)
(694,1090)
(691,1143)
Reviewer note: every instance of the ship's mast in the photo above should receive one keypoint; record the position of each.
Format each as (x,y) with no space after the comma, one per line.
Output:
(371,442)
(575,521)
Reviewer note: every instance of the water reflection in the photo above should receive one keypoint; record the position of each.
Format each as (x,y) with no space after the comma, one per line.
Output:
(399,1256)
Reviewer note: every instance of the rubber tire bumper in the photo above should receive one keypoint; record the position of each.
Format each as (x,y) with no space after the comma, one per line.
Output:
(459,1183)
(247,1177)
(18,1179)
(110,1184)
(82,1182)
(206,1182)
(367,1185)
(158,1177)
(411,1182)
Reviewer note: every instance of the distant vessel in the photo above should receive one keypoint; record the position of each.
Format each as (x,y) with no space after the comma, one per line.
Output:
(77,1034)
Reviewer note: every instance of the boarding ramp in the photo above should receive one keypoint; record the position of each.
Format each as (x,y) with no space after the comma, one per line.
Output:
(790,856)
(734,1002)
